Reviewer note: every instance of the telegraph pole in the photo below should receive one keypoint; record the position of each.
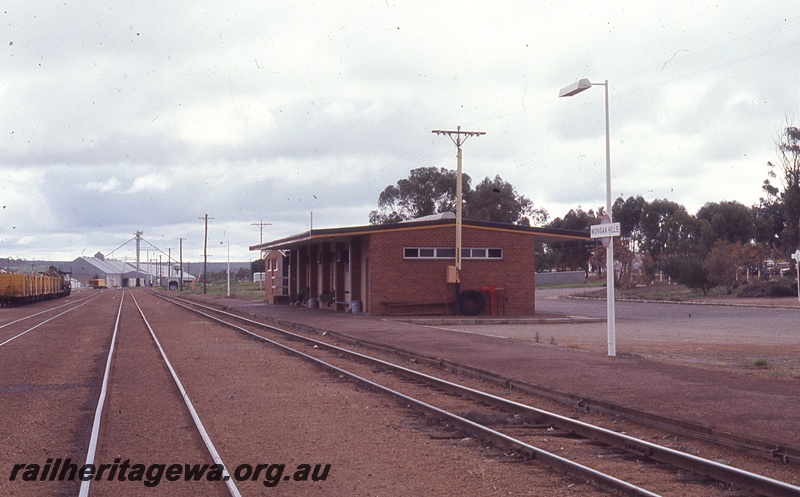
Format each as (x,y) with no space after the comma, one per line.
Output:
(458,137)
(261,225)
(180,282)
(205,255)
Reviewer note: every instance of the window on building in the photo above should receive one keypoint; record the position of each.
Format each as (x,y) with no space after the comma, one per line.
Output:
(450,253)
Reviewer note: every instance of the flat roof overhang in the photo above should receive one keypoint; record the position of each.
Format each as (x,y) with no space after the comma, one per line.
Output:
(334,234)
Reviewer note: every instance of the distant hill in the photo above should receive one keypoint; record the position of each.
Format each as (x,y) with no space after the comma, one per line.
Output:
(193,268)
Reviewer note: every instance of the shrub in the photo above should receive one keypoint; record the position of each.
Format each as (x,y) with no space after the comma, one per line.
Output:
(771,288)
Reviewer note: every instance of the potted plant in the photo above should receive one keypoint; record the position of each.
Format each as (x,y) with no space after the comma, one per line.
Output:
(328,297)
(302,296)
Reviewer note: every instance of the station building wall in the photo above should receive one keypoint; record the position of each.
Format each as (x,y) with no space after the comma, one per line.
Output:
(389,268)
(395,278)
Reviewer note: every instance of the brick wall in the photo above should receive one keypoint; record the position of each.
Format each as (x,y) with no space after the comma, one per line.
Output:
(395,279)
(275,284)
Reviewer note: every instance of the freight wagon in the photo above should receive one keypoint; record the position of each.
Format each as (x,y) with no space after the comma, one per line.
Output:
(20,289)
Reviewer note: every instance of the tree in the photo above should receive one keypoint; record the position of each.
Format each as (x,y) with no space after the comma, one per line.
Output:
(548,257)
(429,190)
(426,191)
(725,221)
(722,264)
(243,274)
(666,229)
(498,201)
(628,214)
(575,255)
(688,269)
(788,165)
(768,222)
(257,266)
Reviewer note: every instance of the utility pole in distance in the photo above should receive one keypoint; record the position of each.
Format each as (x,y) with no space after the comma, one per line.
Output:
(205,255)
(180,282)
(261,225)
(458,137)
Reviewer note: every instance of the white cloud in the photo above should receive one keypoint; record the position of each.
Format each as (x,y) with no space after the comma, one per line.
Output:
(148,183)
(109,185)
(121,117)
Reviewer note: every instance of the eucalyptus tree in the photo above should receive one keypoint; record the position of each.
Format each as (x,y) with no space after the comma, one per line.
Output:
(787,171)
(498,201)
(727,221)
(431,190)
(426,191)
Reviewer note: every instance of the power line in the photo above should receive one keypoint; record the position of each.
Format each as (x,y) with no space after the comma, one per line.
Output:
(694,54)
(676,60)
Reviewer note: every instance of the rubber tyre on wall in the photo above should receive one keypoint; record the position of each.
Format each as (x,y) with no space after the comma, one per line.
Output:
(471,302)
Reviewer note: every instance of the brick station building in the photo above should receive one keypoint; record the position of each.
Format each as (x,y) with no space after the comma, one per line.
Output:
(402,268)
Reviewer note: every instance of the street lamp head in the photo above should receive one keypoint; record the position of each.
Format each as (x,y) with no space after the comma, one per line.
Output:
(575,88)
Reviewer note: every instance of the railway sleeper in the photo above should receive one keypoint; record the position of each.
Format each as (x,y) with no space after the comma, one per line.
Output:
(761,485)
(622,456)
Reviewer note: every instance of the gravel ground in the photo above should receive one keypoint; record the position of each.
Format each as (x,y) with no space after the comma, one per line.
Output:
(694,378)
(259,406)
(49,381)
(754,337)
(262,407)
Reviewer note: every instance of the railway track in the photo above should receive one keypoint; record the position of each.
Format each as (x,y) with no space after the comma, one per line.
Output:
(174,436)
(21,324)
(67,414)
(581,449)
(47,377)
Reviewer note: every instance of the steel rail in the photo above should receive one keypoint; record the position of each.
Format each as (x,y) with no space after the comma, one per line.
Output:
(786,453)
(42,312)
(718,471)
(101,401)
(466,425)
(769,450)
(43,322)
(229,482)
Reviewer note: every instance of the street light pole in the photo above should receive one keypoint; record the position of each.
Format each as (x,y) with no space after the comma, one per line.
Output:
(796,257)
(568,91)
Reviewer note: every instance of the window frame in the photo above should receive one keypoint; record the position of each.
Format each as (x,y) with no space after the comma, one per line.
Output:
(488,253)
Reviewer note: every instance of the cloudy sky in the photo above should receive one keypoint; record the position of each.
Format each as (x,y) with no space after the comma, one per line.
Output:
(147,115)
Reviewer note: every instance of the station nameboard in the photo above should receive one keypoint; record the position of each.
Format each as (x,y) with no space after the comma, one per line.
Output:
(604,230)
